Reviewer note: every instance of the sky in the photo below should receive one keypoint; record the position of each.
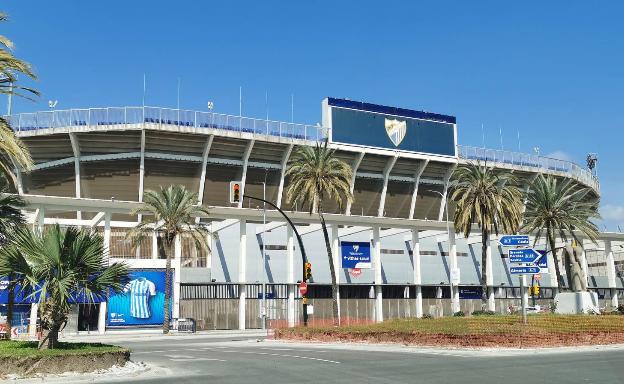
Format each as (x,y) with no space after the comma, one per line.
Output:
(550,73)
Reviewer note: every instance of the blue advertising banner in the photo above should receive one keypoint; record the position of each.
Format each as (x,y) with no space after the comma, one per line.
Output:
(355,254)
(22,296)
(142,301)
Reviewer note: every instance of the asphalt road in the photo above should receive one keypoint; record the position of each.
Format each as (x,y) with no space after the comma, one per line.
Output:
(218,360)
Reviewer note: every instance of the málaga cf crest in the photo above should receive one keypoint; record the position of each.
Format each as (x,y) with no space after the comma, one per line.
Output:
(396,130)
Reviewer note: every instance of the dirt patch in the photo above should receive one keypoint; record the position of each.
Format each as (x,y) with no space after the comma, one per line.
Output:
(29,366)
(523,340)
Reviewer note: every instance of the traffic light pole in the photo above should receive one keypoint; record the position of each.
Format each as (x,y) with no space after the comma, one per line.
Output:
(303,253)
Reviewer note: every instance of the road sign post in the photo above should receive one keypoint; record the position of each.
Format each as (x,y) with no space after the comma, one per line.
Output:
(522,295)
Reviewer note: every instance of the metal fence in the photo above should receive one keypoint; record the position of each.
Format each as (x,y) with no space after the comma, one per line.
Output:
(162,117)
(530,162)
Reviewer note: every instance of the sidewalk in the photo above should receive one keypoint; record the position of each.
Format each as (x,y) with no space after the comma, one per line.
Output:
(156,334)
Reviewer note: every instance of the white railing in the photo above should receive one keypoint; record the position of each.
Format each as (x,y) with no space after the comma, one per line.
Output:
(529,162)
(114,116)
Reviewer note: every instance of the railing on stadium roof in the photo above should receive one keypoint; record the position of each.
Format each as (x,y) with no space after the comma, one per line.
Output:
(117,116)
(529,162)
(162,116)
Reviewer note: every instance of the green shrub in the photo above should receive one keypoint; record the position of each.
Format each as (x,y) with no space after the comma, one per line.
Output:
(620,309)
(459,314)
(483,313)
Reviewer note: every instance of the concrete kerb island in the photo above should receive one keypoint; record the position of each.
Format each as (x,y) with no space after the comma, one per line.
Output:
(474,332)
(40,363)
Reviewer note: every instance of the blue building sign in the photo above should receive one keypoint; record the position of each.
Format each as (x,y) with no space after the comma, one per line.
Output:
(380,126)
(356,254)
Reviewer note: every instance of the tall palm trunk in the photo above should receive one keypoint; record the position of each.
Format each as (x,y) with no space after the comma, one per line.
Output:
(332,269)
(485,239)
(52,319)
(551,243)
(170,243)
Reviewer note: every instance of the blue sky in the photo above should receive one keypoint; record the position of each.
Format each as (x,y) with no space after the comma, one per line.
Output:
(552,71)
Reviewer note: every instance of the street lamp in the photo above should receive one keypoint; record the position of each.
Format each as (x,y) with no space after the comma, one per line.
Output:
(454,298)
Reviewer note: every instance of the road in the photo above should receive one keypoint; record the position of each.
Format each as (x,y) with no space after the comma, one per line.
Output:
(218,360)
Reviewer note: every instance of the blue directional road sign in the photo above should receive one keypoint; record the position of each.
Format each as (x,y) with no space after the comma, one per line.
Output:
(525,255)
(524,270)
(512,240)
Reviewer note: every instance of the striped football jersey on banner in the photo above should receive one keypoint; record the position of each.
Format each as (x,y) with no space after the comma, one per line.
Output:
(140,290)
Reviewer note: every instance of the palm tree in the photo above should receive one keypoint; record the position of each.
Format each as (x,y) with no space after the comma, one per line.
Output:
(560,208)
(490,199)
(316,174)
(59,266)
(13,152)
(11,219)
(169,212)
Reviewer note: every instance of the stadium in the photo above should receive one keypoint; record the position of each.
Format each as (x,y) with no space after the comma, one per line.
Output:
(93,165)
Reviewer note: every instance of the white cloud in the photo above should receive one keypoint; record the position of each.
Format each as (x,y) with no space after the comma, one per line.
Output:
(560,155)
(610,212)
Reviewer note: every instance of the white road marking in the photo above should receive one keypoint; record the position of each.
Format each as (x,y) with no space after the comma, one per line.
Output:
(278,349)
(198,359)
(187,357)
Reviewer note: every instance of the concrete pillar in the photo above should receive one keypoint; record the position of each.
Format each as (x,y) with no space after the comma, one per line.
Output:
(107,231)
(490,278)
(355,166)
(32,329)
(335,247)
(584,264)
(455,307)
(178,248)
(378,280)
(242,267)
(154,246)
(290,275)
(417,272)
(102,318)
(39,221)
(611,273)
(177,278)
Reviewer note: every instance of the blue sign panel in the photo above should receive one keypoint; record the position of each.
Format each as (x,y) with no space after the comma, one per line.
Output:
(511,240)
(380,126)
(355,254)
(524,270)
(472,293)
(542,262)
(141,302)
(525,255)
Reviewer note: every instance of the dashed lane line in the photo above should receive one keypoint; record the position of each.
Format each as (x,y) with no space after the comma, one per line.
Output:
(197,359)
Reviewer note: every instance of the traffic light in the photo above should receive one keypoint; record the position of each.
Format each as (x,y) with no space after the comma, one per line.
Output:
(308,271)
(235,191)
(535,290)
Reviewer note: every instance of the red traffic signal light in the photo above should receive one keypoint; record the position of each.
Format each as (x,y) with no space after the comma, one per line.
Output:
(235,191)
(308,271)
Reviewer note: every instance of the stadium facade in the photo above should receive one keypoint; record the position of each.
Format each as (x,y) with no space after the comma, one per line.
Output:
(93,165)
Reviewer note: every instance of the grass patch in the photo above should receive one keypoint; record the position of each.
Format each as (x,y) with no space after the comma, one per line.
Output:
(29,349)
(543,329)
